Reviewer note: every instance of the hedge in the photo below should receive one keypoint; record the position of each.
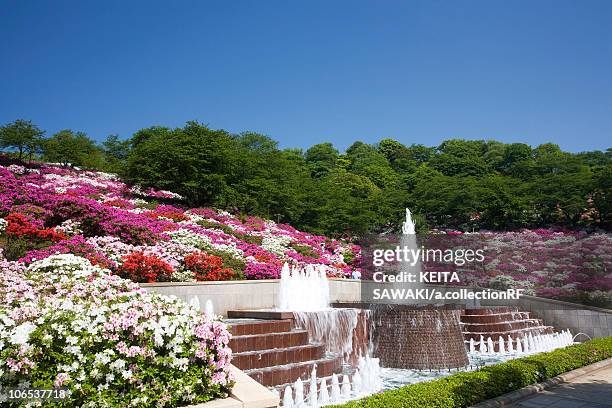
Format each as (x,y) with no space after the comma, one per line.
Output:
(469,388)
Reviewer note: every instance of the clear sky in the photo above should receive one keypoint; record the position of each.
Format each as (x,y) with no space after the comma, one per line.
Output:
(305,72)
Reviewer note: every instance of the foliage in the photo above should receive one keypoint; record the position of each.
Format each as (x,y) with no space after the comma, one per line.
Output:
(74,148)
(304,250)
(469,388)
(13,249)
(21,135)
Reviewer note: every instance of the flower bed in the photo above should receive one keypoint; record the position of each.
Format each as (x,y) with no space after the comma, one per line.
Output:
(469,388)
(67,323)
(51,210)
(572,266)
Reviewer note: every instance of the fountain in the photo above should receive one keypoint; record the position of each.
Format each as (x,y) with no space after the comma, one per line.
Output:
(305,293)
(345,391)
(323,393)
(412,335)
(312,391)
(329,340)
(540,343)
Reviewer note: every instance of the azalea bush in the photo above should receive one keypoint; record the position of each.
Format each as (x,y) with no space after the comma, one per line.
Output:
(565,265)
(139,267)
(18,226)
(147,235)
(207,267)
(67,323)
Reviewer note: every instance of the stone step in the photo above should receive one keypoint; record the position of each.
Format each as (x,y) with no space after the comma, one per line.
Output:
(495,317)
(514,334)
(245,327)
(259,314)
(268,358)
(289,373)
(490,310)
(267,341)
(501,327)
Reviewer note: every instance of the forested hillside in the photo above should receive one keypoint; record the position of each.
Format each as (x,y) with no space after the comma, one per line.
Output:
(460,184)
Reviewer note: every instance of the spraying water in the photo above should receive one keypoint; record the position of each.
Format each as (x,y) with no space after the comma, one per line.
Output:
(195,302)
(335,389)
(208,308)
(288,398)
(299,392)
(303,289)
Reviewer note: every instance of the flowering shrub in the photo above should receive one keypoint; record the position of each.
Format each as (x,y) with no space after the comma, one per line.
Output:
(255,270)
(67,323)
(95,215)
(207,267)
(572,266)
(76,245)
(139,267)
(20,227)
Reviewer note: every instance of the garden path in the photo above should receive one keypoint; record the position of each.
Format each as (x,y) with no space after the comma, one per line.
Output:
(592,390)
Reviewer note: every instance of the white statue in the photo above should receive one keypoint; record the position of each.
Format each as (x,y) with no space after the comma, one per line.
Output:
(408,227)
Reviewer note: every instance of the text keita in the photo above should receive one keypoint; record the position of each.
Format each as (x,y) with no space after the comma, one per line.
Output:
(422,277)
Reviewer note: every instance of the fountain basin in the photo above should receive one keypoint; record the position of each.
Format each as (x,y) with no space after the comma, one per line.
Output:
(422,338)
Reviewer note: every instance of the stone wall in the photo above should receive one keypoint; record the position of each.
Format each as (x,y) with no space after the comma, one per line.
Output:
(594,322)
(247,294)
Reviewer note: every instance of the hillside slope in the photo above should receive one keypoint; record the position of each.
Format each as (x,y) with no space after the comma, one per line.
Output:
(147,235)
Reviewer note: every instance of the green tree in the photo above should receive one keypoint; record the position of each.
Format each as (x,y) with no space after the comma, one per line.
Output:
(517,160)
(602,195)
(322,158)
(420,153)
(398,155)
(461,157)
(494,154)
(73,148)
(346,204)
(194,161)
(22,135)
(115,153)
(562,198)
(367,161)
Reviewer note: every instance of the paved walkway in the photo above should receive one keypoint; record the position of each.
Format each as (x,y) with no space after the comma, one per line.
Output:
(593,390)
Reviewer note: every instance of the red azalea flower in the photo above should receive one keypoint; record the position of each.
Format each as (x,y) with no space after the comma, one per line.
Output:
(207,267)
(144,268)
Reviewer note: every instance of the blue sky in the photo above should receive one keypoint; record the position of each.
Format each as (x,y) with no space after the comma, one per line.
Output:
(304,72)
